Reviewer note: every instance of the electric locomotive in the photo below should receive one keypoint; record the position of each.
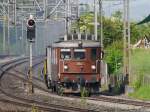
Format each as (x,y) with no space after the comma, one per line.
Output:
(74,63)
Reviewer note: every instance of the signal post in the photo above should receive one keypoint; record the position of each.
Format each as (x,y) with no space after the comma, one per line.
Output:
(31,39)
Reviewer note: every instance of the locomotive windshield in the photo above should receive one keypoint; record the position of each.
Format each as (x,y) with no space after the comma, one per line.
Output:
(93,54)
(65,54)
(79,54)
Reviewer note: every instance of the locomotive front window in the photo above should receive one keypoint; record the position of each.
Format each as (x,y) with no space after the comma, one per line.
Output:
(93,54)
(79,54)
(65,54)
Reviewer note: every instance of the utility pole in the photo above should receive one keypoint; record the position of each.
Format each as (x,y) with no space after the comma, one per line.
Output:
(95,19)
(102,63)
(56,10)
(8,39)
(68,16)
(78,15)
(45,24)
(21,39)
(15,14)
(22,34)
(4,35)
(101,22)
(15,24)
(126,58)
(45,9)
(4,30)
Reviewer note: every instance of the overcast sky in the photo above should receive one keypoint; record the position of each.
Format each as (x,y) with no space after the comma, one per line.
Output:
(139,8)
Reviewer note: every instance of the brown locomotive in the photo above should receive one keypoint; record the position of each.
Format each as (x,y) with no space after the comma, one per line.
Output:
(73,64)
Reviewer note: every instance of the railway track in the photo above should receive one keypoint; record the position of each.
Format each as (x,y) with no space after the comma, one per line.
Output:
(34,78)
(120,101)
(24,74)
(25,102)
(7,66)
(46,106)
(98,98)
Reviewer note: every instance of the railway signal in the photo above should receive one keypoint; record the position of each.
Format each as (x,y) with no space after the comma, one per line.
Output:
(31,29)
(31,38)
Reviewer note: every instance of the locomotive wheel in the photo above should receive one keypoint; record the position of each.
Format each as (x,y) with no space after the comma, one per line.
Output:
(53,88)
(96,88)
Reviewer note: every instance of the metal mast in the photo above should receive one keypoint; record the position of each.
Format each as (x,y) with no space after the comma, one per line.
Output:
(4,30)
(68,16)
(126,68)
(15,14)
(45,9)
(101,22)
(8,39)
(95,19)
(15,24)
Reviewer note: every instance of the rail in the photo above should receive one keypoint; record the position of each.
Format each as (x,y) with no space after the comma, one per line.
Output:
(29,102)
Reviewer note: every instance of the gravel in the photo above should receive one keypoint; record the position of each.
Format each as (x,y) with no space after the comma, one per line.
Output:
(17,87)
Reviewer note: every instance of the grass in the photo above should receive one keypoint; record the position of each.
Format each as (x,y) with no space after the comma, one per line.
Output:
(140,63)
(140,67)
(34,109)
(84,94)
(142,93)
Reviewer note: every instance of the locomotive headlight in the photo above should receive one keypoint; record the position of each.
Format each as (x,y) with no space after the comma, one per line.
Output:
(93,67)
(65,67)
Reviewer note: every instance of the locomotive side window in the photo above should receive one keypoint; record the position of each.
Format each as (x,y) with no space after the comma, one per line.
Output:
(93,54)
(79,54)
(65,54)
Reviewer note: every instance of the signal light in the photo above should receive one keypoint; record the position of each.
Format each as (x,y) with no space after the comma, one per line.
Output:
(31,22)
(31,29)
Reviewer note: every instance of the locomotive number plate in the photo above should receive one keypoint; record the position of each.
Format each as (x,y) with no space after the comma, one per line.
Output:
(79,64)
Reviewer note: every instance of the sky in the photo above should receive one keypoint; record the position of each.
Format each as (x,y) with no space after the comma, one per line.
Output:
(139,9)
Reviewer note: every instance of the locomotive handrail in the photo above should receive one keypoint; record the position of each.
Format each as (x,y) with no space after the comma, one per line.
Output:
(97,65)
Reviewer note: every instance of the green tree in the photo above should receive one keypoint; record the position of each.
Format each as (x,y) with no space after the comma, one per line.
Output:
(112,31)
(117,14)
(113,35)
(114,56)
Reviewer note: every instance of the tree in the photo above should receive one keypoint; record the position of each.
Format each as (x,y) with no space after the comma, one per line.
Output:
(114,57)
(113,36)
(117,14)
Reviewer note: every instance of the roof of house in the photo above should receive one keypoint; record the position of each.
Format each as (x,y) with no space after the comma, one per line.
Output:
(146,20)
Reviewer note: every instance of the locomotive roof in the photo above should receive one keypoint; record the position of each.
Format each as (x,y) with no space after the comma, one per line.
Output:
(76,43)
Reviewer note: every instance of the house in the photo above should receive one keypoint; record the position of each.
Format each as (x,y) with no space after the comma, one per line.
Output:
(143,43)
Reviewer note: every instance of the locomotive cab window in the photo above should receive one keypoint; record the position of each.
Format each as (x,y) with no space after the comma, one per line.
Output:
(65,54)
(93,54)
(79,54)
